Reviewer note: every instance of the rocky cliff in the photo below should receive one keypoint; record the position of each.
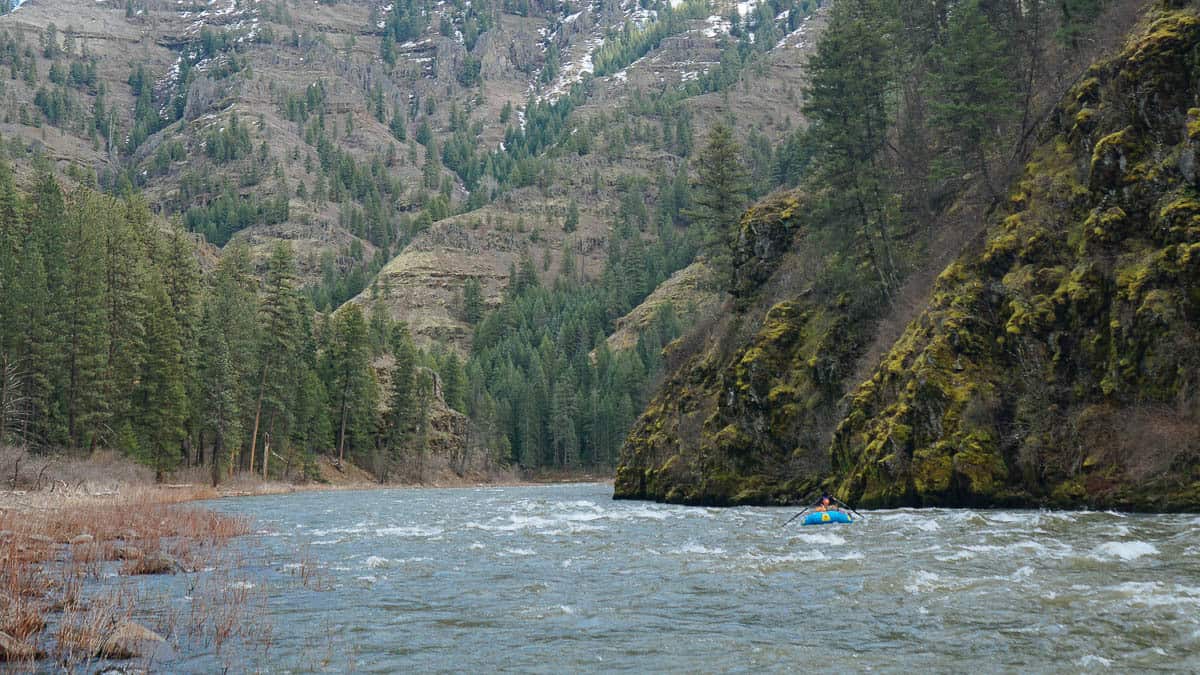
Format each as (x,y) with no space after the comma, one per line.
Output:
(1060,364)
(1056,362)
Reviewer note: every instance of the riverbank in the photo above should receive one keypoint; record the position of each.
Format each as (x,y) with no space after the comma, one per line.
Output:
(74,532)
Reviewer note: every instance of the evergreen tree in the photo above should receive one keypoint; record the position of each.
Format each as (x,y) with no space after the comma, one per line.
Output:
(278,343)
(161,395)
(571,222)
(401,411)
(719,197)
(847,103)
(975,93)
(82,376)
(353,386)
(472,300)
(454,384)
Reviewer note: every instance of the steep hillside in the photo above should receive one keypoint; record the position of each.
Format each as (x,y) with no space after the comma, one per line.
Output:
(351,129)
(1054,363)
(1060,364)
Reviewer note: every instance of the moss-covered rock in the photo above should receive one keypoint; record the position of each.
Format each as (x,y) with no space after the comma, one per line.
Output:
(1056,364)
(990,398)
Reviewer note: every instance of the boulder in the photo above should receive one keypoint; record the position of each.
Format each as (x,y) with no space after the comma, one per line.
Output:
(12,649)
(128,640)
(82,539)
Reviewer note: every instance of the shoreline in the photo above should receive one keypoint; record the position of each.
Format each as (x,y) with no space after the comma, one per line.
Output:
(74,534)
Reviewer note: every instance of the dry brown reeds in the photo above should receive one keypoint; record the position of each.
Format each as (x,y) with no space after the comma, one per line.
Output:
(57,543)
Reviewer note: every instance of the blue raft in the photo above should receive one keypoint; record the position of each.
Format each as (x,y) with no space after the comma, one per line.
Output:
(826,518)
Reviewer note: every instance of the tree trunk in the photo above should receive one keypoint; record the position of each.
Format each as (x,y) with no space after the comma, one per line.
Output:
(218,447)
(262,383)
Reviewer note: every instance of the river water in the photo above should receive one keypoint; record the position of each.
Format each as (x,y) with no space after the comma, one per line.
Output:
(561,579)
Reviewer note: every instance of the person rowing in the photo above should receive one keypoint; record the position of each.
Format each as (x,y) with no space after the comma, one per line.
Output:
(825,504)
(828,505)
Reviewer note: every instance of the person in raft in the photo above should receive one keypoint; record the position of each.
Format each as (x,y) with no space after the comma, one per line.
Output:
(826,504)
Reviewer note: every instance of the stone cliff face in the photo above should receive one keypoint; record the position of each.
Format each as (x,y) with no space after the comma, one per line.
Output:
(1060,364)
(1056,363)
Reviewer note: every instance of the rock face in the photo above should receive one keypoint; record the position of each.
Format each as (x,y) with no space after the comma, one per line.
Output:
(743,418)
(1060,364)
(1055,363)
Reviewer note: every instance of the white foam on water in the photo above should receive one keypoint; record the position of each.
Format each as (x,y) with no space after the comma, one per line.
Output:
(408,531)
(241,585)
(961,555)
(923,582)
(692,548)
(1091,660)
(1125,550)
(827,538)
(853,555)
(357,529)
(519,551)
(1004,517)
(1120,531)
(1023,572)
(477,546)
(927,525)
(982,548)
(376,561)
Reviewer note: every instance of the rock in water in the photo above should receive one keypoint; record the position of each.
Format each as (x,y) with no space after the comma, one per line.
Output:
(12,649)
(128,640)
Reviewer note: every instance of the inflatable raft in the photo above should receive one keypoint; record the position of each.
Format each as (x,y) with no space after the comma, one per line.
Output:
(827,518)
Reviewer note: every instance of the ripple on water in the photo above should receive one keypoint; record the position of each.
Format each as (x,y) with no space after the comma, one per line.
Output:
(1125,550)
(408,531)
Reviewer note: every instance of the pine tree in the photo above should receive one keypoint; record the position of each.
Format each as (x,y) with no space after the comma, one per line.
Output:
(161,396)
(278,342)
(82,378)
(975,93)
(472,300)
(847,103)
(353,386)
(571,222)
(402,400)
(719,197)
(454,382)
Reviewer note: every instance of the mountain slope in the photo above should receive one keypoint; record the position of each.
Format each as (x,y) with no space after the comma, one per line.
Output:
(1054,364)
(1059,365)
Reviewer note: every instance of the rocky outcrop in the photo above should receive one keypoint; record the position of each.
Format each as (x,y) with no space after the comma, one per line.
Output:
(1056,362)
(1061,364)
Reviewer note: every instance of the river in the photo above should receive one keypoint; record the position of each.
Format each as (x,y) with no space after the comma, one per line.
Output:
(561,578)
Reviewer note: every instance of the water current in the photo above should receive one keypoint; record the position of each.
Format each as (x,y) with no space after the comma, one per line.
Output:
(563,579)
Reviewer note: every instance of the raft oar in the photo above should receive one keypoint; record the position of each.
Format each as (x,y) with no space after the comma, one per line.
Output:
(847,506)
(789,520)
(796,516)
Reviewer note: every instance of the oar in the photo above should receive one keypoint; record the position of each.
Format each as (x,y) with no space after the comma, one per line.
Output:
(801,513)
(847,506)
(796,516)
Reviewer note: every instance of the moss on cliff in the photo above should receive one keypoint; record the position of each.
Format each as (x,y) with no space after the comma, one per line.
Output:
(1079,313)
(1057,363)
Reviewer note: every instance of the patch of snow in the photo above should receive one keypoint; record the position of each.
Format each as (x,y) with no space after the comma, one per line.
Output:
(717,25)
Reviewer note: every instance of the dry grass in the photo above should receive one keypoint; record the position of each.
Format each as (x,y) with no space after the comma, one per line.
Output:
(59,541)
